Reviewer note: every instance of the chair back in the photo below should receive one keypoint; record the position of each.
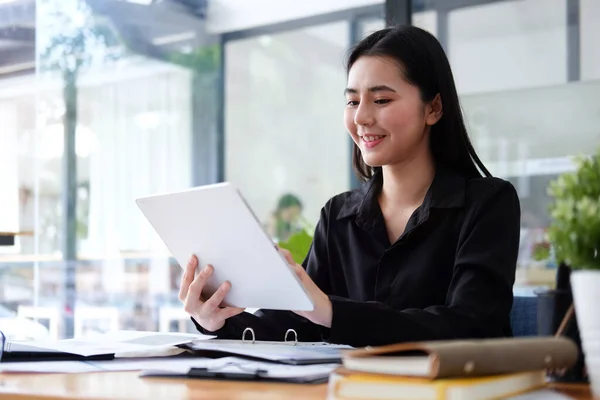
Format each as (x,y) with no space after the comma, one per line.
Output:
(523,316)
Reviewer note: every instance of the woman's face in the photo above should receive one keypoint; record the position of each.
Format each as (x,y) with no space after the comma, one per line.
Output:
(384,114)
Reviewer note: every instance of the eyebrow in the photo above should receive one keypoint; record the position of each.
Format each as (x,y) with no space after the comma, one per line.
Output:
(372,89)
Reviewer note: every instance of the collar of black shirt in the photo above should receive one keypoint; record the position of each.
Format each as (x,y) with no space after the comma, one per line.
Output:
(446,191)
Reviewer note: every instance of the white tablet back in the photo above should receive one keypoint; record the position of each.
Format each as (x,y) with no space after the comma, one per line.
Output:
(215,223)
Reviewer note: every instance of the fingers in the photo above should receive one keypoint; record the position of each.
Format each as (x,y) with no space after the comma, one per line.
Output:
(216,299)
(194,304)
(197,285)
(188,277)
(210,309)
(300,272)
(287,255)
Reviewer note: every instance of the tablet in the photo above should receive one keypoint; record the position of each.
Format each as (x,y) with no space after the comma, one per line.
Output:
(215,223)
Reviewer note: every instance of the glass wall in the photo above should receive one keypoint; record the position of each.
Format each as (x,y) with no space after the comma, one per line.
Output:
(106,116)
(105,101)
(527,75)
(286,146)
(284,132)
(119,99)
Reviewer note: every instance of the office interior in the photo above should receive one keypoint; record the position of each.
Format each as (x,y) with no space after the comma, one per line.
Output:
(104,101)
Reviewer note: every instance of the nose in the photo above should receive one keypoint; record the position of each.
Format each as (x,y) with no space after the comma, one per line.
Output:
(364,115)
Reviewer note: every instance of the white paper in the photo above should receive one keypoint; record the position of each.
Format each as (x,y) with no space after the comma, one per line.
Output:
(62,367)
(238,364)
(274,370)
(177,363)
(121,342)
(274,351)
(73,367)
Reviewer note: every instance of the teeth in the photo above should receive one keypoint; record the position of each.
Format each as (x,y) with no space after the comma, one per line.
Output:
(371,138)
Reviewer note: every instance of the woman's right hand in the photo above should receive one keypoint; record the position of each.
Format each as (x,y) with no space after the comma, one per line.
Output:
(208,314)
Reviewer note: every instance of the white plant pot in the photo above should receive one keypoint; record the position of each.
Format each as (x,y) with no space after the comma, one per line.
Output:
(586,298)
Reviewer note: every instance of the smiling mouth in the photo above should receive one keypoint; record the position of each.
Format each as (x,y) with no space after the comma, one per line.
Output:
(372,138)
(370,141)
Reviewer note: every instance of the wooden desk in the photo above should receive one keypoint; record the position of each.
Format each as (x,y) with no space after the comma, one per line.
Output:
(127,385)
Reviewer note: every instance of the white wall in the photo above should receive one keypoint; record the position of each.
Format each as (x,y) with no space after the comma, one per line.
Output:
(542,123)
(590,39)
(508,45)
(510,64)
(233,15)
(426,20)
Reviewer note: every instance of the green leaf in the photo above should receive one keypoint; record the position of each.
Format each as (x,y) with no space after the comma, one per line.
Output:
(575,210)
(298,244)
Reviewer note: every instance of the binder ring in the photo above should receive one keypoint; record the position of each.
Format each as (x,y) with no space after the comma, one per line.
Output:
(251,332)
(295,336)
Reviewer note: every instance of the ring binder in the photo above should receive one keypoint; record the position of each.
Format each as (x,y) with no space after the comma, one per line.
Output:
(285,338)
(295,336)
(256,371)
(244,335)
(289,351)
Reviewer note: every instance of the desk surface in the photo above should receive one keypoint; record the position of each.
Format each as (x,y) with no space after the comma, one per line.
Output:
(127,385)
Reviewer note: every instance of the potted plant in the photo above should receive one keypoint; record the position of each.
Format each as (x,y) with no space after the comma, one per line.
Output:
(575,235)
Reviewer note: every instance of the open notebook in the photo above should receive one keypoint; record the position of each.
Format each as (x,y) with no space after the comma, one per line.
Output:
(152,344)
(103,346)
(288,351)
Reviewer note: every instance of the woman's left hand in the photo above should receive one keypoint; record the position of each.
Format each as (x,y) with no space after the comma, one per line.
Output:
(322,314)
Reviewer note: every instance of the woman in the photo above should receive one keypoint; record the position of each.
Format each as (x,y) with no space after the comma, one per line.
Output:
(286,220)
(426,249)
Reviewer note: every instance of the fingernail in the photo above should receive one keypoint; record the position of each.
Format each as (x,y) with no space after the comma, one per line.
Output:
(192,259)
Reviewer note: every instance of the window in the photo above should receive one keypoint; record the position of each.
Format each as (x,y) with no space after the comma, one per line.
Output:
(514,64)
(284,127)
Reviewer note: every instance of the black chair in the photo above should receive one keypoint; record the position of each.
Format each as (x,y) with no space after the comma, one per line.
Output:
(523,316)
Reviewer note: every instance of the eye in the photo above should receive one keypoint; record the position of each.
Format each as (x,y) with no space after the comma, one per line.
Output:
(382,101)
(352,103)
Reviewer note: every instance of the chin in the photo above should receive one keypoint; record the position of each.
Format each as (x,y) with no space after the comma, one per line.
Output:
(372,161)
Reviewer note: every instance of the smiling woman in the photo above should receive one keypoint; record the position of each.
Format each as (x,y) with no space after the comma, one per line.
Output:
(426,249)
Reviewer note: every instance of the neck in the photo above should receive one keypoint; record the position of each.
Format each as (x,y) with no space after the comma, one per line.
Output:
(406,183)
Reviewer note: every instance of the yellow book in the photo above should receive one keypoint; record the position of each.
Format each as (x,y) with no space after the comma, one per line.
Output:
(348,385)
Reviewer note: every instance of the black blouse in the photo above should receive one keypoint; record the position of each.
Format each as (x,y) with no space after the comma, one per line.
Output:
(450,275)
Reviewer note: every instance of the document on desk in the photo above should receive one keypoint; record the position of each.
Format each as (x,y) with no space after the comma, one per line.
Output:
(75,367)
(283,352)
(46,367)
(237,368)
(119,343)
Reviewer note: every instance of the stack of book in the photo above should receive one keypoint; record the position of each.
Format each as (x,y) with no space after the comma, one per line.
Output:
(458,369)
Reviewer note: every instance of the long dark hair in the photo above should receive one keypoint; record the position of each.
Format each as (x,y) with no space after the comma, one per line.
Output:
(424,64)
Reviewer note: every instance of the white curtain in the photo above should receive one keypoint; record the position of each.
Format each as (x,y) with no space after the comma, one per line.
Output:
(141,127)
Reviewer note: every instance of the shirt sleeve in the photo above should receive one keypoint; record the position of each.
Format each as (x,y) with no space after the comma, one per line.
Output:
(479,298)
(272,325)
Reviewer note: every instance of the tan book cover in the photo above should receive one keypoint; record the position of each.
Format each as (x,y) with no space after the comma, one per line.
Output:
(464,358)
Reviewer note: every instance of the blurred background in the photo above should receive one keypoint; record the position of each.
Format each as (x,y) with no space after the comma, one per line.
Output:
(103,101)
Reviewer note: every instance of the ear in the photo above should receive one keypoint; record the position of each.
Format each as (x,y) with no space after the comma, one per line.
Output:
(434,110)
